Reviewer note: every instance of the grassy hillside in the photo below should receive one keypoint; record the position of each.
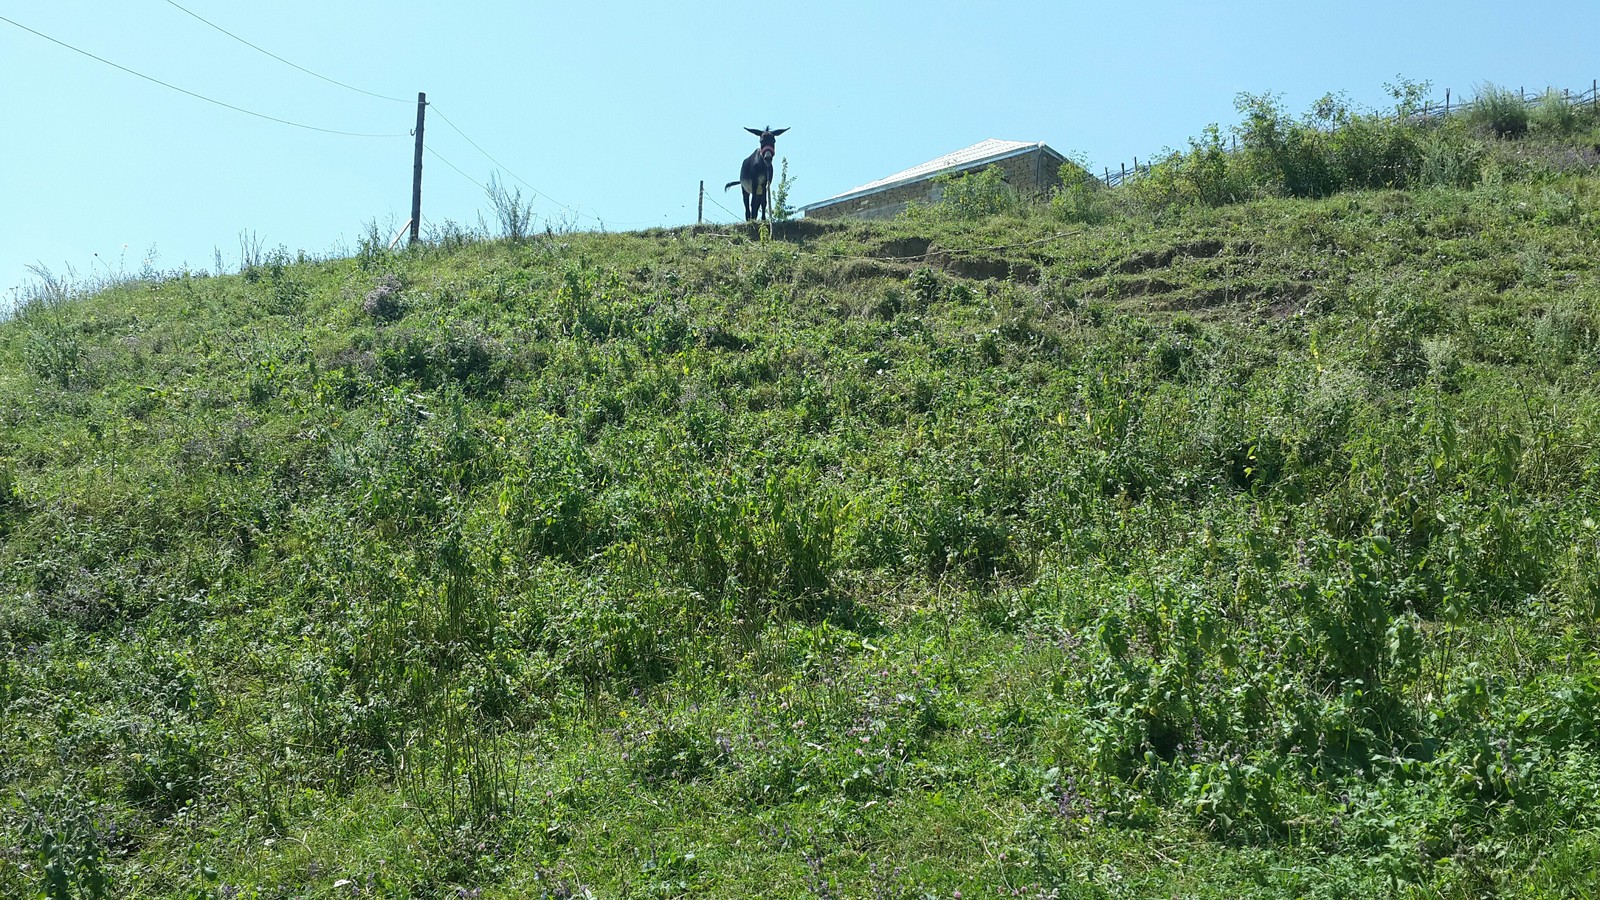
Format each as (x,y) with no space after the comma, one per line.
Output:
(1141,549)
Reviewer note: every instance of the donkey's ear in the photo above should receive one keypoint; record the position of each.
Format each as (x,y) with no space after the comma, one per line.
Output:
(755,131)
(778,131)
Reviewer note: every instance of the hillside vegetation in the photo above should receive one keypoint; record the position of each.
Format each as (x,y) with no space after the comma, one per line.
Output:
(1177,540)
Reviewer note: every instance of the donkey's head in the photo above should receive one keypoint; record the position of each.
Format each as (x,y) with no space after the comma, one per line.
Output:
(769,140)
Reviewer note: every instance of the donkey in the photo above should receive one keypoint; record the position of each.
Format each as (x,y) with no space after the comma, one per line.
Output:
(755,176)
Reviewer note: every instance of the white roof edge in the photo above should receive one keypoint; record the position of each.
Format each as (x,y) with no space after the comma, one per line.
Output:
(894,181)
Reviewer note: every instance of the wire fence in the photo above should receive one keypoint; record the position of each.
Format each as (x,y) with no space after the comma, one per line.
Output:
(1430,113)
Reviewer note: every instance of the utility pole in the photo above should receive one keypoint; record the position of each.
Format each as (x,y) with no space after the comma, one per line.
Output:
(700,214)
(416,172)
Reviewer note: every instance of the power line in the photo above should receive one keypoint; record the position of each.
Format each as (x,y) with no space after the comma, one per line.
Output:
(435,108)
(192,93)
(721,207)
(452,165)
(574,210)
(282,60)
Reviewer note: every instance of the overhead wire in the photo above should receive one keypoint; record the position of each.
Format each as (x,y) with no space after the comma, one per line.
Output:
(440,113)
(282,60)
(452,165)
(574,210)
(714,202)
(433,106)
(190,93)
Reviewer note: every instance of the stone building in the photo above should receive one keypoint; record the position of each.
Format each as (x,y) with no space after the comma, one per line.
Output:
(1030,168)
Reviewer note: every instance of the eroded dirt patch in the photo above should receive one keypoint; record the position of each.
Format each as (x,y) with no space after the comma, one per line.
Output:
(1160,259)
(907,248)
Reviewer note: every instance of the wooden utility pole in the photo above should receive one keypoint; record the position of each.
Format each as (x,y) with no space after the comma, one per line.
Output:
(700,214)
(416,172)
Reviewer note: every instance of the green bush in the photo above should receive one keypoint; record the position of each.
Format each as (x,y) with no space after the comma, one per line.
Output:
(1081,198)
(967,196)
(1448,157)
(52,350)
(1281,154)
(11,504)
(1554,114)
(1207,175)
(1500,111)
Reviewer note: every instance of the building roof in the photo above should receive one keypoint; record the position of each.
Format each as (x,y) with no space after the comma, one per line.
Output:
(980,154)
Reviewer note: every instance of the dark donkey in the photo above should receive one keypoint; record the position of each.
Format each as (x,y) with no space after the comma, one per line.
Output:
(755,176)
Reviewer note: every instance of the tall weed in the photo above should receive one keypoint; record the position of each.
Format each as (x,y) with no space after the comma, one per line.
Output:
(1499,111)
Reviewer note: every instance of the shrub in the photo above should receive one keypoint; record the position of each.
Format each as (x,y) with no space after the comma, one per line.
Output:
(52,350)
(383,301)
(454,353)
(754,545)
(1373,152)
(781,210)
(1448,157)
(514,215)
(1500,111)
(1279,153)
(1081,198)
(10,495)
(1207,175)
(966,196)
(69,844)
(546,494)
(1555,114)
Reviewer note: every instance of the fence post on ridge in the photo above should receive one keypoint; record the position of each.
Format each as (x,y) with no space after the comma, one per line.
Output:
(416,172)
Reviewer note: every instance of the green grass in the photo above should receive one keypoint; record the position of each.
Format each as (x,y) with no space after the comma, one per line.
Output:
(1180,548)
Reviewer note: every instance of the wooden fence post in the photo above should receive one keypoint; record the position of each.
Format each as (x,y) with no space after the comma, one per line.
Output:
(416,172)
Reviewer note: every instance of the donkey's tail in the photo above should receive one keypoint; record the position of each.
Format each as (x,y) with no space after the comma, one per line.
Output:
(729,185)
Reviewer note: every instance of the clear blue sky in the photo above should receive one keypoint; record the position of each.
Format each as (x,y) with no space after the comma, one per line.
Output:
(618,111)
